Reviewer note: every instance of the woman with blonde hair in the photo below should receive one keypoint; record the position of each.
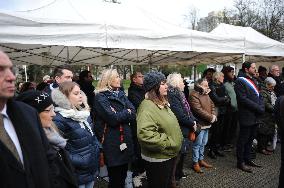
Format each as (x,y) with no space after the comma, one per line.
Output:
(113,114)
(158,132)
(74,121)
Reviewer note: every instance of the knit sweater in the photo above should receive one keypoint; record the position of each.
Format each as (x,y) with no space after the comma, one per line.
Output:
(158,131)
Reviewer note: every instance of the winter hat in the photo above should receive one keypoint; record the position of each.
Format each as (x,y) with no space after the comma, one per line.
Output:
(37,99)
(151,79)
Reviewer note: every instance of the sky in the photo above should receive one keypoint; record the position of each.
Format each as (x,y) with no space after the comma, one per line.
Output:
(173,11)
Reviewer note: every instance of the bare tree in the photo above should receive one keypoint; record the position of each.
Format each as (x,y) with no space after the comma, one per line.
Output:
(266,16)
(247,12)
(272,18)
(192,18)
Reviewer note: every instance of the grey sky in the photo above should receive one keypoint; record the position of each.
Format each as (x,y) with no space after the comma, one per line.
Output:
(171,10)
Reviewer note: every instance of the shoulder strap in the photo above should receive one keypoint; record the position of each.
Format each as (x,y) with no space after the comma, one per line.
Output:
(103,137)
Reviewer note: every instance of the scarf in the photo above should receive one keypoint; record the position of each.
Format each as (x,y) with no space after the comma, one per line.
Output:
(273,98)
(54,138)
(76,115)
(251,85)
(185,103)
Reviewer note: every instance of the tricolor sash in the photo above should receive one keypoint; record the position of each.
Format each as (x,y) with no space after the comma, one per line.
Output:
(251,84)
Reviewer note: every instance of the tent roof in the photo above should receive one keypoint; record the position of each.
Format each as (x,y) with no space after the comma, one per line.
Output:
(255,43)
(102,34)
(107,33)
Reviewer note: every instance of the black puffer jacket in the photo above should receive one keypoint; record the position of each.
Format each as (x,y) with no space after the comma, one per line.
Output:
(61,170)
(185,118)
(220,97)
(111,111)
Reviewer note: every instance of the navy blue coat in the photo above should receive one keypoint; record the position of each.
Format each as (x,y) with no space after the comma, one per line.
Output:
(83,148)
(250,105)
(185,120)
(111,111)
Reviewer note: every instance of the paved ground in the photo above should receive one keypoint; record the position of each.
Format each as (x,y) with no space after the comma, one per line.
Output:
(226,175)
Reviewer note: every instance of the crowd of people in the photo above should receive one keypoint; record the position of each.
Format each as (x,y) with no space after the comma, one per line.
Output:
(60,132)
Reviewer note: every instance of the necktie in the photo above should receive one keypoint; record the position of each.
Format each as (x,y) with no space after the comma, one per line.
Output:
(6,140)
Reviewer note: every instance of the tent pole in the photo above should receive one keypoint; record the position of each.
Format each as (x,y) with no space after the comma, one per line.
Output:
(131,69)
(244,58)
(97,72)
(26,74)
(195,71)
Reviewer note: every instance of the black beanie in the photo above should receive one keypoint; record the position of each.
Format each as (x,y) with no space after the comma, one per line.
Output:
(37,99)
(151,79)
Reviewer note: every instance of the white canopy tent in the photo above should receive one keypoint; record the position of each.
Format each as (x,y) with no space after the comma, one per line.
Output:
(257,47)
(104,34)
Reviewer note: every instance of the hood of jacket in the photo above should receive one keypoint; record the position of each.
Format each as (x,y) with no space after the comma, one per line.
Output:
(63,102)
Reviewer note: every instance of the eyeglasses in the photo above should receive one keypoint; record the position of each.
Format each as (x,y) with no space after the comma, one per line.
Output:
(49,110)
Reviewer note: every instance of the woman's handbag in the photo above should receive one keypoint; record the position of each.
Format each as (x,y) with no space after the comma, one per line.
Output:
(191,136)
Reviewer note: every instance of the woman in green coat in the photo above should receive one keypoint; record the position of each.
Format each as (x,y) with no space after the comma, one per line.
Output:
(158,132)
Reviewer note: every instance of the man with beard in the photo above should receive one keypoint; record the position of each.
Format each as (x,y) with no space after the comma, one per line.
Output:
(250,105)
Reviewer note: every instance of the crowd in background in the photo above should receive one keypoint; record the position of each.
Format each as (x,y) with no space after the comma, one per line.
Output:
(151,131)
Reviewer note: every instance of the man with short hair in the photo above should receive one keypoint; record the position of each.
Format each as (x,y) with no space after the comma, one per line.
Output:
(23,144)
(274,72)
(251,106)
(86,85)
(208,74)
(61,74)
(136,94)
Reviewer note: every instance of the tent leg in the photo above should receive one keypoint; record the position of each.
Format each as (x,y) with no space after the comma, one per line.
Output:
(131,69)
(26,74)
(244,58)
(194,73)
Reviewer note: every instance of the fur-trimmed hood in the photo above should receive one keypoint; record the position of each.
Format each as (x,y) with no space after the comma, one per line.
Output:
(63,102)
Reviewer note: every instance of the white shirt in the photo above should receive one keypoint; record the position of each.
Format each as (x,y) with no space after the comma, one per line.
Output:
(8,125)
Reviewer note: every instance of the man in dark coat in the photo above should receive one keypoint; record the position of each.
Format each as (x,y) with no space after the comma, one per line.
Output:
(61,74)
(23,144)
(251,107)
(274,72)
(279,111)
(136,94)
(86,85)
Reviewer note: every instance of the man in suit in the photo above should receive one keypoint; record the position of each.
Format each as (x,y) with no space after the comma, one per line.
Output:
(23,145)
(250,106)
